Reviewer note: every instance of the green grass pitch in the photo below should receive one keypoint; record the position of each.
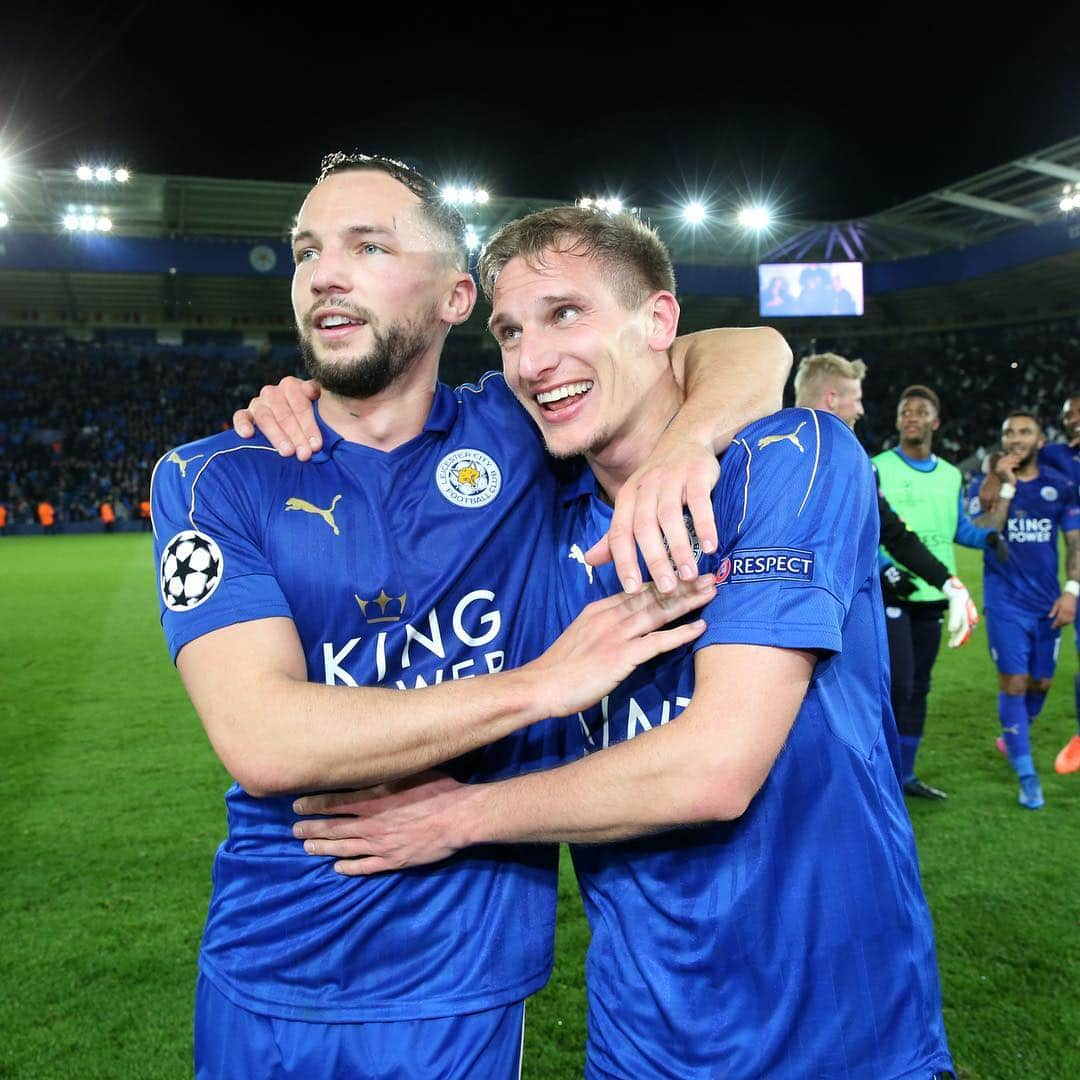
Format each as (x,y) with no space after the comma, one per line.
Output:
(113,811)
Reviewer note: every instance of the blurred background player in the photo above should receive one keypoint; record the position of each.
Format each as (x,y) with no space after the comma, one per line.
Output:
(1065,457)
(833,383)
(928,494)
(1025,611)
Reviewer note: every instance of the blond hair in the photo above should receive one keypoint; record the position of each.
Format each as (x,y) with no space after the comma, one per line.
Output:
(632,256)
(814,371)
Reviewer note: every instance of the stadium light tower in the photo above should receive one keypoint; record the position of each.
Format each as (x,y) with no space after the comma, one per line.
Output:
(755,217)
(84,172)
(4,220)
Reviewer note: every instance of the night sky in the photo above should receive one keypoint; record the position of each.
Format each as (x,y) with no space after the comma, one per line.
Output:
(829,118)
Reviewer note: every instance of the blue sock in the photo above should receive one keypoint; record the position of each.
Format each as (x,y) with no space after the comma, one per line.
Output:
(1012,711)
(909,747)
(1034,702)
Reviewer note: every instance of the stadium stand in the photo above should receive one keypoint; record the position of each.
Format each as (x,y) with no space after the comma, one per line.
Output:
(82,422)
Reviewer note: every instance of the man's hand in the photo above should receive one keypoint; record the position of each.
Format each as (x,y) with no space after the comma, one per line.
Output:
(1005,468)
(963,615)
(1064,611)
(610,638)
(389,827)
(284,414)
(649,515)
(896,584)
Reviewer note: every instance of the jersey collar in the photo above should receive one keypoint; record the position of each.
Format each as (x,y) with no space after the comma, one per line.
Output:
(580,483)
(440,420)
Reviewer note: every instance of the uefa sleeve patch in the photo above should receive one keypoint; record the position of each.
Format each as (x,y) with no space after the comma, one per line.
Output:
(191,569)
(766,564)
(468,478)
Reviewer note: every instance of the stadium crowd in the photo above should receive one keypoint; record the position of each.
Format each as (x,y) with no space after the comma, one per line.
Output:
(81,424)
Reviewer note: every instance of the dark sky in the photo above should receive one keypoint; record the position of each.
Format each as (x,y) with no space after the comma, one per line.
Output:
(832,117)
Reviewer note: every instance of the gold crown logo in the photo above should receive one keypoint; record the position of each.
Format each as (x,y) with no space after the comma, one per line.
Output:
(383,608)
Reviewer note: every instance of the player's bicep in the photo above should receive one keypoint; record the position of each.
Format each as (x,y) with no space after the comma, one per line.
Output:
(233,675)
(746,698)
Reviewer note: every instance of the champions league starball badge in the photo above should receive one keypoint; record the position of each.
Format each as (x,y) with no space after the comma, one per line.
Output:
(191,567)
(468,478)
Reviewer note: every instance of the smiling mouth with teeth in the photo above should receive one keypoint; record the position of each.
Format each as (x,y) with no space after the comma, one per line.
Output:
(329,322)
(549,397)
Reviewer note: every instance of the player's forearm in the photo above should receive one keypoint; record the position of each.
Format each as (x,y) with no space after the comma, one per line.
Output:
(657,781)
(731,378)
(994,518)
(287,735)
(1072,555)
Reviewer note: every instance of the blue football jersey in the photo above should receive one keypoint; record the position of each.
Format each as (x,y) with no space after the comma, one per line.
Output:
(1028,580)
(1063,459)
(401,569)
(796,940)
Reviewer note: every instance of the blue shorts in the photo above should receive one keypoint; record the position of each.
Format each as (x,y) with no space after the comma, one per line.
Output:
(233,1043)
(1022,643)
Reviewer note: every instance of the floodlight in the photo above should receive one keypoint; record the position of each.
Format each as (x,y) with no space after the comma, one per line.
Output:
(481,196)
(103,224)
(102,174)
(612,205)
(754,217)
(450,193)
(86,223)
(121,176)
(4,219)
(71,222)
(5,168)
(694,213)
(84,172)
(585,202)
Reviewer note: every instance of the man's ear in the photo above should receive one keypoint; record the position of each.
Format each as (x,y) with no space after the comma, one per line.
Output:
(459,301)
(664,312)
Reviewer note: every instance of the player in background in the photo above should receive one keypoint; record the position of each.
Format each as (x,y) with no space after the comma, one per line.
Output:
(787,935)
(298,600)
(928,493)
(833,383)
(1065,457)
(1025,610)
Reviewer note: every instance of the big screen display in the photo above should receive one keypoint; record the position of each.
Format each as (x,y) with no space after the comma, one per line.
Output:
(799,289)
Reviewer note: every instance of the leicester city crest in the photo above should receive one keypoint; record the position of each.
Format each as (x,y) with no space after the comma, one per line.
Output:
(468,478)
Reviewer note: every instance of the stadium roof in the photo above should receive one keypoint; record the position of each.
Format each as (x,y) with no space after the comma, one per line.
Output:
(1012,196)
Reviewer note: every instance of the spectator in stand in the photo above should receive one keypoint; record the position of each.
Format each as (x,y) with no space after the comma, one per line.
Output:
(144,514)
(3,519)
(108,516)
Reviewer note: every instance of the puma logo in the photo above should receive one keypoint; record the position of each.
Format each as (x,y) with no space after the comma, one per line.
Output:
(792,437)
(176,459)
(578,555)
(309,508)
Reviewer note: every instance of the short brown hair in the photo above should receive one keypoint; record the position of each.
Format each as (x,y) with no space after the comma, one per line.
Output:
(447,221)
(918,390)
(633,257)
(815,369)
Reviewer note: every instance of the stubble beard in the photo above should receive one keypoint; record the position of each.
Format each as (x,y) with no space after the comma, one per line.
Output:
(393,355)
